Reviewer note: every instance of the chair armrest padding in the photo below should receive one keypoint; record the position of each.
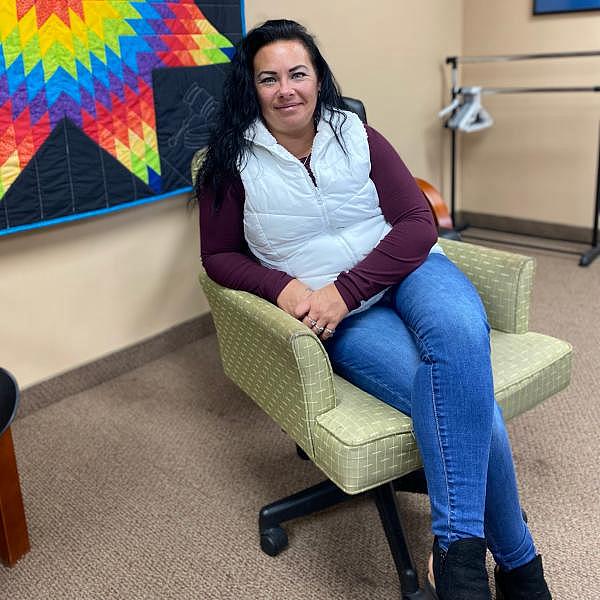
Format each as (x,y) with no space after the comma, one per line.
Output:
(274,358)
(503,279)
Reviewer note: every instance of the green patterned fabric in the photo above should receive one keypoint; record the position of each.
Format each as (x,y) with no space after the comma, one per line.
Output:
(274,358)
(358,441)
(363,442)
(528,368)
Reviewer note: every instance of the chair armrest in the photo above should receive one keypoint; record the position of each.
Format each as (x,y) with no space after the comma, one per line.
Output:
(274,358)
(503,279)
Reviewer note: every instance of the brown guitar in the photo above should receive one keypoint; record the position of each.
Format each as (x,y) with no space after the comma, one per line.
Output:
(436,202)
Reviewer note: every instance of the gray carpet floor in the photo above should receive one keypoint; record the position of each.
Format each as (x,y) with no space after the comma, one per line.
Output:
(148,485)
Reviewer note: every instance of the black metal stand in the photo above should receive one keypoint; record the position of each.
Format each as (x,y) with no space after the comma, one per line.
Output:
(452,61)
(594,251)
(587,257)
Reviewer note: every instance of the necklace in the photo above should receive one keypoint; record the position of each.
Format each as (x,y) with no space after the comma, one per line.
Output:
(305,159)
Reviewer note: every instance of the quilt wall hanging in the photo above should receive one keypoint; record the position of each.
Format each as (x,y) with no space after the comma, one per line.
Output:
(104,102)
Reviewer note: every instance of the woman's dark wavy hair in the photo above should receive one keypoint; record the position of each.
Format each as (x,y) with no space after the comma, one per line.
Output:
(240,108)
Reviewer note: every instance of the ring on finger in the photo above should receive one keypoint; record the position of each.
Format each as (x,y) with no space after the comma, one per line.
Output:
(330,332)
(311,321)
(319,330)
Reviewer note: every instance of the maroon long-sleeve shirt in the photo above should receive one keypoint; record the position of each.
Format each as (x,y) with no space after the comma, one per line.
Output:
(228,260)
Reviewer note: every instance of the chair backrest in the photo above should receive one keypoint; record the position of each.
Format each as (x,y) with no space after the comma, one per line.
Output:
(356,106)
(9,399)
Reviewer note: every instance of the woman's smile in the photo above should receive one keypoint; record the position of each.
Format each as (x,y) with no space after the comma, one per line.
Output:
(287,107)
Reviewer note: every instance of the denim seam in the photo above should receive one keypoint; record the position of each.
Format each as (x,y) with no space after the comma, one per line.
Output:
(517,557)
(437,427)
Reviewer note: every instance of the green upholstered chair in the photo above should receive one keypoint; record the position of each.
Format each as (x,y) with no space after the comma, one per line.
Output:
(360,443)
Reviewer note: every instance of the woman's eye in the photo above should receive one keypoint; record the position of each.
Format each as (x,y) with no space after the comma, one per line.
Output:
(299,75)
(267,80)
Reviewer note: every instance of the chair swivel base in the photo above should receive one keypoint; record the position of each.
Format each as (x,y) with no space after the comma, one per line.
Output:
(273,538)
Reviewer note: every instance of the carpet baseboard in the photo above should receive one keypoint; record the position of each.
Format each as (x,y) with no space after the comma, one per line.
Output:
(108,367)
(526,227)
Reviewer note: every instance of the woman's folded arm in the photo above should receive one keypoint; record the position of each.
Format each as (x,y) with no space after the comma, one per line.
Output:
(413,233)
(224,252)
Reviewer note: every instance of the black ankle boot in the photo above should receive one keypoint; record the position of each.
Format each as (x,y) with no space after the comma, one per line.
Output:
(523,583)
(460,572)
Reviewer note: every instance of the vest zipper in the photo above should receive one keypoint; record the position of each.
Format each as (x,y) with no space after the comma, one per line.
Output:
(340,241)
(320,202)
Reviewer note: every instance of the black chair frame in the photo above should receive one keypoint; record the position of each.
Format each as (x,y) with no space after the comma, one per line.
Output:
(273,538)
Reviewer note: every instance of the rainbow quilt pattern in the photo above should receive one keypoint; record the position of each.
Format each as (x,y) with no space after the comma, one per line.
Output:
(104,102)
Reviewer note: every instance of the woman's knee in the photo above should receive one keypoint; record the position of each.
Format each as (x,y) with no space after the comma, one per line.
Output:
(443,309)
(470,329)
(456,334)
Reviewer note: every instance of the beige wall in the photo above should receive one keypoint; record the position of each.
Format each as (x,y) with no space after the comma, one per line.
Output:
(539,159)
(73,293)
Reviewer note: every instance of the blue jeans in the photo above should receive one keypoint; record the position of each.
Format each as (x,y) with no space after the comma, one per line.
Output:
(425,350)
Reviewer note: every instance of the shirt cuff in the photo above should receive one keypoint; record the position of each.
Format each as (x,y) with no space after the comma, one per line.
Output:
(347,291)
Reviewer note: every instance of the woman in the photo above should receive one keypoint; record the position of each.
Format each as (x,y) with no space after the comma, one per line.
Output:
(305,206)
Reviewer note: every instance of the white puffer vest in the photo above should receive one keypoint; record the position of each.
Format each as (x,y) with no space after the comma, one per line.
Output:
(312,233)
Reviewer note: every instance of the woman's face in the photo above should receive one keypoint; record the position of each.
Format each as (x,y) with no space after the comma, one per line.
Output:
(287,87)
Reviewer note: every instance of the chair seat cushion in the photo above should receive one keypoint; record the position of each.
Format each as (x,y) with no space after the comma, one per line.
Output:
(363,442)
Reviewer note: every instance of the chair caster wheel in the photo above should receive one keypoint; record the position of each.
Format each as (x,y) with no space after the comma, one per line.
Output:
(301,453)
(273,540)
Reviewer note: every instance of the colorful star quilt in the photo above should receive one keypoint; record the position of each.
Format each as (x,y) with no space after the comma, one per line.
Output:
(104,102)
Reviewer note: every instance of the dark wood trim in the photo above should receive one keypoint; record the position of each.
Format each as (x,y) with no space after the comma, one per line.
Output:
(14,538)
(108,367)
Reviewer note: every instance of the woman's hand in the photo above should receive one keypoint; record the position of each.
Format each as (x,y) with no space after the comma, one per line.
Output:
(291,296)
(323,310)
